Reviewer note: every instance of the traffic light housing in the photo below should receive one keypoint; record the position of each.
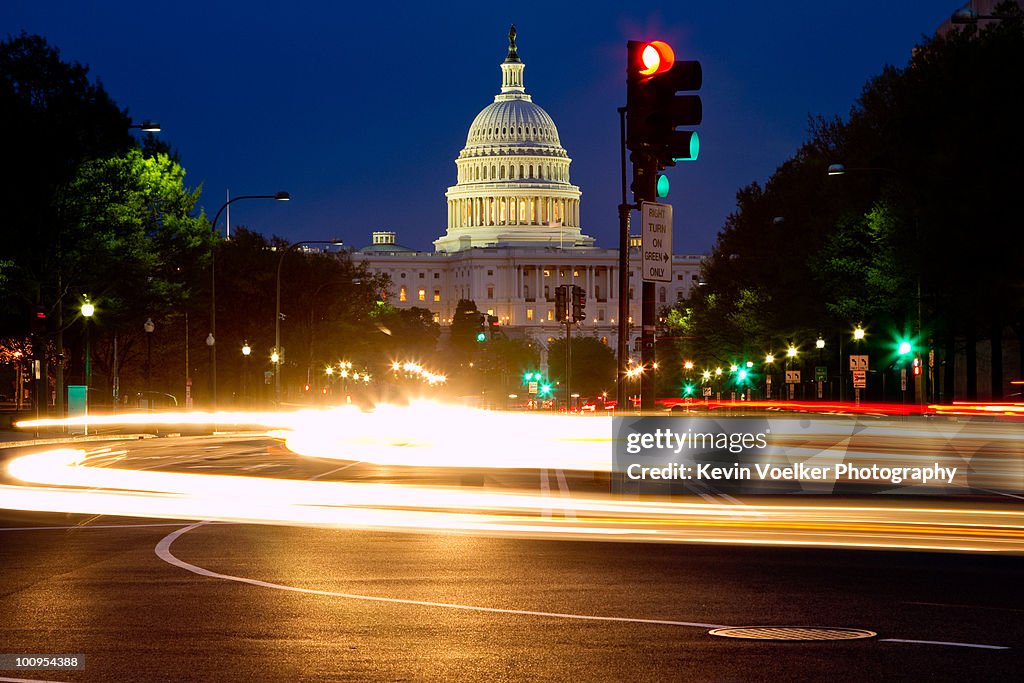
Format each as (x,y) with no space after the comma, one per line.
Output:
(37,323)
(654,109)
(481,328)
(492,325)
(579,303)
(561,304)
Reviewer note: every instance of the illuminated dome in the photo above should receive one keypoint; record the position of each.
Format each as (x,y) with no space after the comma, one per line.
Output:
(513,184)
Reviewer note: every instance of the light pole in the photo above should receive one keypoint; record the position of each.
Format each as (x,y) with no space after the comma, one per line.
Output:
(87,310)
(769,361)
(211,339)
(790,355)
(149,326)
(147,126)
(246,351)
(276,357)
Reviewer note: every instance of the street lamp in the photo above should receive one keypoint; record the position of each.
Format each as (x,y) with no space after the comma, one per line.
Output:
(211,339)
(277,314)
(147,126)
(87,310)
(149,326)
(246,352)
(769,360)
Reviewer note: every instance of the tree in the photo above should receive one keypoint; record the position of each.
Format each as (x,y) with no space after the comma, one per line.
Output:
(465,327)
(54,120)
(593,365)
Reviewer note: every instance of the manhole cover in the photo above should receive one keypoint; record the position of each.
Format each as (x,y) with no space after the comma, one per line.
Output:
(792,633)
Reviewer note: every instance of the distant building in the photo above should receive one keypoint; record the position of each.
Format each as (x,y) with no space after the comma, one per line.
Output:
(514,233)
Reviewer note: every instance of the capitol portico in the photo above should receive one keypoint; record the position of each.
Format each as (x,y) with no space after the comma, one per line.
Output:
(514,232)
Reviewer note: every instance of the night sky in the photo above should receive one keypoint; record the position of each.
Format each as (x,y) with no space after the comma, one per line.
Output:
(360,112)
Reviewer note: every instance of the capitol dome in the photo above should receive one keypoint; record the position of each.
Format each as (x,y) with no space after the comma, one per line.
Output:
(513,122)
(513,184)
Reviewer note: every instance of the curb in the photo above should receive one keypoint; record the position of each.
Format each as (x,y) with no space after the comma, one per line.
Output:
(74,439)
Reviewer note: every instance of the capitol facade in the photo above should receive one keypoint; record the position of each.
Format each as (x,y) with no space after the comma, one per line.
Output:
(514,234)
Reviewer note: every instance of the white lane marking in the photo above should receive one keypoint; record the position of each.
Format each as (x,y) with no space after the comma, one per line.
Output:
(1003,493)
(339,469)
(947,604)
(563,491)
(942,642)
(163,551)
(93,526)
(545,490)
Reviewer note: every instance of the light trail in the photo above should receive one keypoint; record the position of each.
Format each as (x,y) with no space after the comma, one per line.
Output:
(64,481)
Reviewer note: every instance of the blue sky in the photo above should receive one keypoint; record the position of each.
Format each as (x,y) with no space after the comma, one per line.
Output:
(360,111)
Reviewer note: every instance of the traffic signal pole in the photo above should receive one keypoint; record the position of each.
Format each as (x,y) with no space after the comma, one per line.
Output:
(645,178)
(655,112)
(622,345)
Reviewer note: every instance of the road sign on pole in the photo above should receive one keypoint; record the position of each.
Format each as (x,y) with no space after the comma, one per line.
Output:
(860,379)
(858,363)
(656,243)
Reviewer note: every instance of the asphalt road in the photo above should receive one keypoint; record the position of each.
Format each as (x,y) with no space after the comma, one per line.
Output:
(154,600)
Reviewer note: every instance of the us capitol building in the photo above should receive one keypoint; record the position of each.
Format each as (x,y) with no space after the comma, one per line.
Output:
(514,233)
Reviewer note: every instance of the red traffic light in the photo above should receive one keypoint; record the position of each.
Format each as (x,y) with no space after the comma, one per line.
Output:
(655,57)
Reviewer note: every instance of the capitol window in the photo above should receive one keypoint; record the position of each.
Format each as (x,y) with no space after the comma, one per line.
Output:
(490,292)
(422,295)
(401,294)
(551,314)
(437,295)
(529,314)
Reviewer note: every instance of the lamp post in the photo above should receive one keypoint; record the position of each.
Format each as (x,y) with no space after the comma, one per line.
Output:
(769,361)
(149,326)
(276,358)
(246,351)
(211,339)
(87,311)
(147,126)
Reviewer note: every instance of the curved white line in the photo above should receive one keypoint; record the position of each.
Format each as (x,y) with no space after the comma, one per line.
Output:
(941,642)
(163,551)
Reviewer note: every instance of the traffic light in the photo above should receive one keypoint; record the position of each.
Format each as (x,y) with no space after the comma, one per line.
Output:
(481,334)
(917,366)
(492,325)
(662,186)
(579,303)
(38,321)
(654,110)
(904,347)
(561,307)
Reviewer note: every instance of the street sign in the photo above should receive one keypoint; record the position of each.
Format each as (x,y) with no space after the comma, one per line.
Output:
(858,362)
(860,379)
(820,373)
(706,391)
(792,377)
(533,387)
(656,242)
(903,379)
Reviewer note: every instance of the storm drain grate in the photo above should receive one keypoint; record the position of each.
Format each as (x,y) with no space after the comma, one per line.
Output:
(792,633)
